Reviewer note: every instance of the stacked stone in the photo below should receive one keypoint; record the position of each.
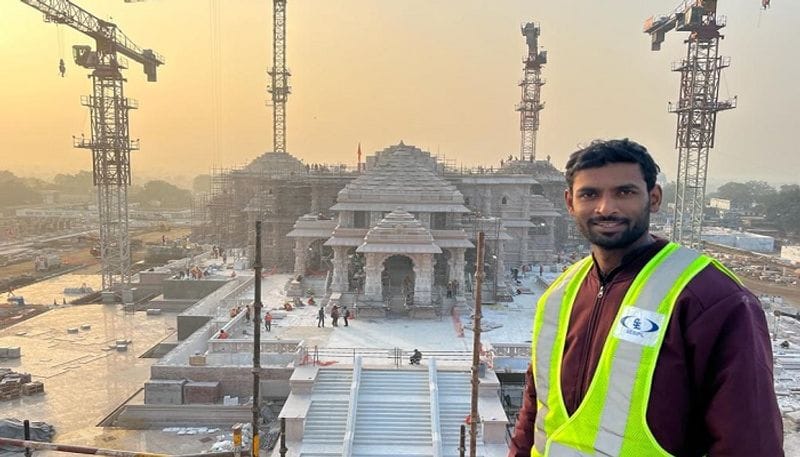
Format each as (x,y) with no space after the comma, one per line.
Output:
(14,384)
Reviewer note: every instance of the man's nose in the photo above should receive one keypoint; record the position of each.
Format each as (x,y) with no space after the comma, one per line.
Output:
(606,205)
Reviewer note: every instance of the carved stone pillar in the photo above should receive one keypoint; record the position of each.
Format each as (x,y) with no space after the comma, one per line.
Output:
(315,207)
(457,272)
(501,264)
(300,255)
(525,256)
(339,280)
(423,279)
(373,289)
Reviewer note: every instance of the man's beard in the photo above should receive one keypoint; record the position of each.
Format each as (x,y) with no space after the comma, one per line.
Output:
(620,240)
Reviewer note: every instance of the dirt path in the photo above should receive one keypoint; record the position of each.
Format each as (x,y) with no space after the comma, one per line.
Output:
(789,293)
(81,256)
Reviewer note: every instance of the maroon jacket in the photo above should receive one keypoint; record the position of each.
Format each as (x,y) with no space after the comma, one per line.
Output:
(712,389)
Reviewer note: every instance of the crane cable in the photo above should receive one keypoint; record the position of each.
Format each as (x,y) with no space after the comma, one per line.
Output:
(60,40)
(217,108)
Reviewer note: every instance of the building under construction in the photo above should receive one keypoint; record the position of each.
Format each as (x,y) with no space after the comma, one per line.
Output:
(525,197)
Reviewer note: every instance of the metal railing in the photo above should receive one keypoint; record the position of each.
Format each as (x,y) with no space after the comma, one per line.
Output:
(395,356)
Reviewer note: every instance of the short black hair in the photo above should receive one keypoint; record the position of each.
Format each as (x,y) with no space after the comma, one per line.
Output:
(604,152)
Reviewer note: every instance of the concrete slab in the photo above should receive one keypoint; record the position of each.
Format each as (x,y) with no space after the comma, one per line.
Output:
(84,379)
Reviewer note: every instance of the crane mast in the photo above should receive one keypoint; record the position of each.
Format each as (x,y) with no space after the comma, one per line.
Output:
(279,75)
(109,140)
(696,109)
(531,84)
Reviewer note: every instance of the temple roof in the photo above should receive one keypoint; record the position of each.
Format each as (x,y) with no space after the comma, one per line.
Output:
(275,164)
(311,226)
(542,170)
(399,232)
(400,176)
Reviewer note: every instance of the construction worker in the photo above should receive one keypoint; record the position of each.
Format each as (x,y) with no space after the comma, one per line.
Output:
(644,348)
(415,358)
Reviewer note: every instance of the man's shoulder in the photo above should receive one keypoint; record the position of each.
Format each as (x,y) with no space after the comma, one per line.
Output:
(713,287)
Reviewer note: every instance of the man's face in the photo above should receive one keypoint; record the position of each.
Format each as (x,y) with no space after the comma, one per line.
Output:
(611,204)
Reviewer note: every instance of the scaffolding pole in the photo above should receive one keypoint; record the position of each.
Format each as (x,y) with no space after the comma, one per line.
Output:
(476,349)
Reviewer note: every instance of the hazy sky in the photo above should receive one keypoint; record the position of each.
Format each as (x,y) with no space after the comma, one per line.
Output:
(439,74)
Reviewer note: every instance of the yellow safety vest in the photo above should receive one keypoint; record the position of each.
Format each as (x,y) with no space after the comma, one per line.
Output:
(611,419)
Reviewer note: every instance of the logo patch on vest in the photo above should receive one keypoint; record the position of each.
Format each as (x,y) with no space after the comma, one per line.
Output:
(639,326)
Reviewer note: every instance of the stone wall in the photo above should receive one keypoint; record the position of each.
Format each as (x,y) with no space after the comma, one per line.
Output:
(183,289)
(233,380)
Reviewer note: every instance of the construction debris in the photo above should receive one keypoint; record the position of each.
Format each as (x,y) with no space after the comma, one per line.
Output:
(14,428)
(14,384)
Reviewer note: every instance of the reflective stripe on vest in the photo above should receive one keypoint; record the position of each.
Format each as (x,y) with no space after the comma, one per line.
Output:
(611,419)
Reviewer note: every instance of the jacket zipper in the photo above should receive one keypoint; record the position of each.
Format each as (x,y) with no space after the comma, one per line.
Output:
(591,330)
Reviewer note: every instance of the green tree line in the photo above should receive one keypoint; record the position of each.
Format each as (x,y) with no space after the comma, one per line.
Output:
(19,191)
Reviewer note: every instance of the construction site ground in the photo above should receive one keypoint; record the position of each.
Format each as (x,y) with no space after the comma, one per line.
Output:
(86,378)
(80,256)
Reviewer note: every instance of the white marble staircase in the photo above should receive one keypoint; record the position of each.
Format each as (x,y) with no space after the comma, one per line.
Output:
(326,420)
(409,412)
(454,405)
(393,415)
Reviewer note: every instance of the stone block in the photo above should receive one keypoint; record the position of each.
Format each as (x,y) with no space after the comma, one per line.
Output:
(201,392)
(14,352)
(198,360)
(164,392)
(31,388)
(153,311)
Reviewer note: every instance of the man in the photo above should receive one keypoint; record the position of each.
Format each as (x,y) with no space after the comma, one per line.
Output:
(646,347)
(320,317)
(415,358)
(335,315)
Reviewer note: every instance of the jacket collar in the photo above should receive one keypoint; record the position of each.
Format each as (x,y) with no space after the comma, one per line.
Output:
(631,264)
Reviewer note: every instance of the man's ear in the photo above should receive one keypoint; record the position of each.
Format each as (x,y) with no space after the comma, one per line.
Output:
(568,200)
(656,195)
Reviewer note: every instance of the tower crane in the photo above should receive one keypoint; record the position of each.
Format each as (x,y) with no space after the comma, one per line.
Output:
(110,138)
(697,106)
(531,84)
(279,75)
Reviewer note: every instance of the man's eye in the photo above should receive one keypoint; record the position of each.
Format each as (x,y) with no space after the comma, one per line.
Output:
(586,195)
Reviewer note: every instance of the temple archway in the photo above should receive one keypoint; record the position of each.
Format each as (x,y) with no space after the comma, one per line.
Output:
(318,258)
(398,278)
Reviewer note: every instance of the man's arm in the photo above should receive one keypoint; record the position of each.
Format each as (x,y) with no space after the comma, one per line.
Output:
(732,358)
(522,441)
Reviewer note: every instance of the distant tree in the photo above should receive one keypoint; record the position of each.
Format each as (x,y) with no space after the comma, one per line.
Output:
(783,209)
(78,184)
(162,194)
(745,195)
(36,183)
(201,183)
(14,191)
